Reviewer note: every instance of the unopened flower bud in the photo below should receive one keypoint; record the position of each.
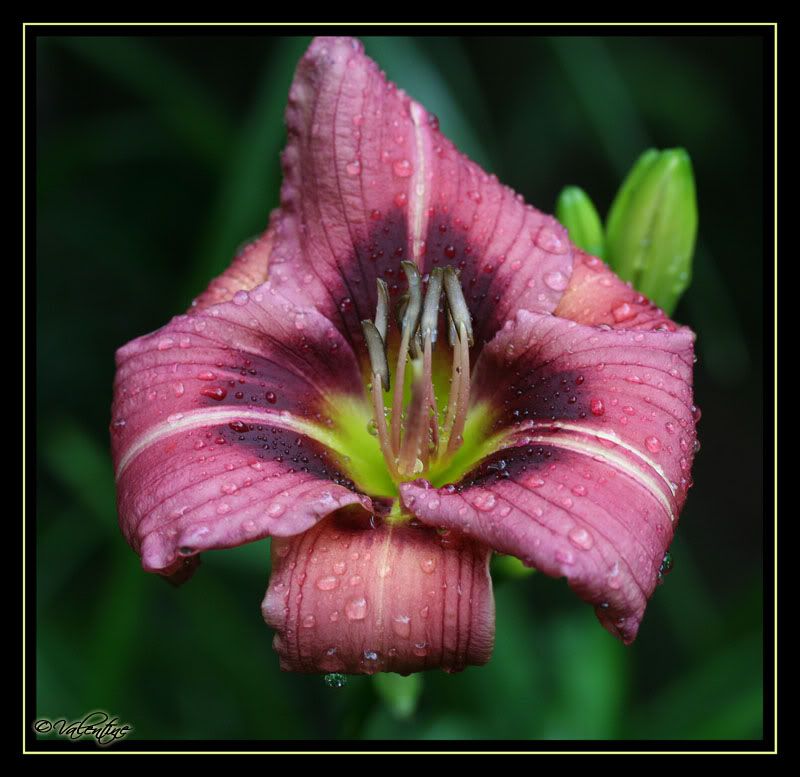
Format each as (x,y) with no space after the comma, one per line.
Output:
(577,213)
(652,226)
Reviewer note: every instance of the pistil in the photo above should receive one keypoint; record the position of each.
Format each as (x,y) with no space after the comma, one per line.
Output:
(411,446)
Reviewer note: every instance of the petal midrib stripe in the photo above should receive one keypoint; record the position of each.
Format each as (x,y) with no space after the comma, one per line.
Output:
(213,416)
(620,463)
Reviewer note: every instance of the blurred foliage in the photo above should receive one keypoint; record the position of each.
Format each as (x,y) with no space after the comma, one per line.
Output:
(157,157)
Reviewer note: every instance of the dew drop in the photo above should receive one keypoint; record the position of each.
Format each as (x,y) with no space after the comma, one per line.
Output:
(485,502)
(548,241)
(356,609)
(565,557)
(428,564)
(653,444)
(402,168)
(217,393)
(401,625)
(335,680)
(556,281)
(581,538)
(327,583)
(623,312)
(613,577)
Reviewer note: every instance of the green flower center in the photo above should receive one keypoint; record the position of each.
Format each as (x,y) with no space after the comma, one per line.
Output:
(420,424)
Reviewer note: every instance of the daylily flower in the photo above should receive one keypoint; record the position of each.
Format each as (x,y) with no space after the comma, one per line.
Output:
(409,370)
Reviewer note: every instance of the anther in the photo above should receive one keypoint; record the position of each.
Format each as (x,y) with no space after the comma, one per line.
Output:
(452,332)
(382,310)
(430,309)
(377,352)
(456,303)
(412,311)
(415,341)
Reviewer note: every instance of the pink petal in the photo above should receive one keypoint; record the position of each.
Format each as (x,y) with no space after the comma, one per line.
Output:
(247,270)
(601,441)
(370,180)
(595,295)
(356,599)
(217,423)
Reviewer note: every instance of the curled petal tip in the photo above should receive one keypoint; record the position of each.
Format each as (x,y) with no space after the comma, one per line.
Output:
(386,598)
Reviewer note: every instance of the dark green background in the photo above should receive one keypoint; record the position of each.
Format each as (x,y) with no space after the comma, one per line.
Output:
(157,156)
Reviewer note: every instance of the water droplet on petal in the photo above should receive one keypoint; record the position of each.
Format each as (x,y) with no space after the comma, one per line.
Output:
(356,609)
(556,281)
(217,393)
(327,583)
(653,444)
(485,502)
(428,564)
(402,626)
(402,168)
(597,407)
(581,538)
(623,312)
(548,241)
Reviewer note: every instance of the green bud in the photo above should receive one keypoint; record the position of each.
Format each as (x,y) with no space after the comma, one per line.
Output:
(510,567)
(576,211)
(652,226)
(400,694)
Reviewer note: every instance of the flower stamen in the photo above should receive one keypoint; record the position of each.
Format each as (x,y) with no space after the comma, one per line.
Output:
(411,448)
(376,348)
(408,326)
